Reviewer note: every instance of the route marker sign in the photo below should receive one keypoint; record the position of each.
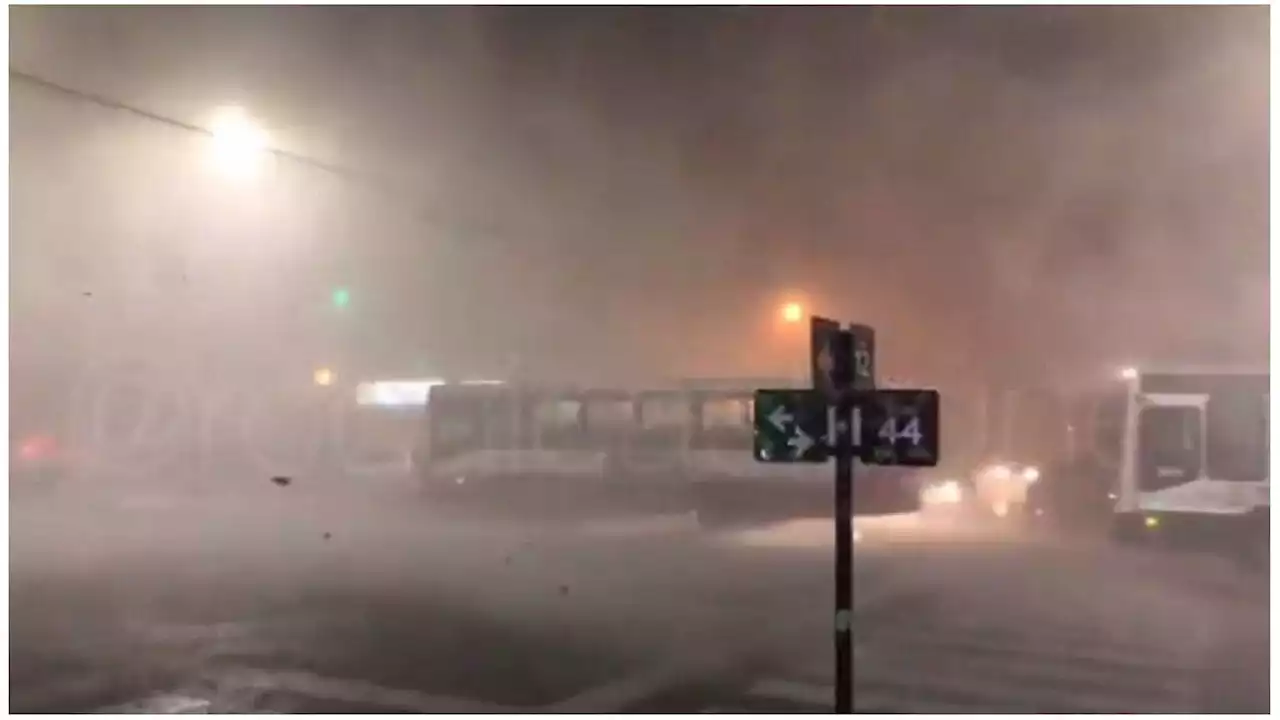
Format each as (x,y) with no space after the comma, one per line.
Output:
(890,427)
(864,357)
(897,427)
(844,416)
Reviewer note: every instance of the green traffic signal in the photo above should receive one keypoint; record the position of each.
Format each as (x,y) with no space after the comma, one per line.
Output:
(341,297)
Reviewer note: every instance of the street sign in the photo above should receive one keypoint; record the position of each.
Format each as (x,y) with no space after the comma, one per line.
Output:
(829,346)
(844,416)
(897,427)
(864,356)
(790,426)
(890,427)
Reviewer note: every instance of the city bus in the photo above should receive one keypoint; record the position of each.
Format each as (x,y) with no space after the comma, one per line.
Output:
(686,447)
(1195,460)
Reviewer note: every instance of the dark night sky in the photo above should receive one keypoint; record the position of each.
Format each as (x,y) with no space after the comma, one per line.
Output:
(998,189)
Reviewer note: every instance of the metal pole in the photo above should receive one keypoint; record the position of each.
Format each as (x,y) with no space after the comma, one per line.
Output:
(844,557)
(843,376)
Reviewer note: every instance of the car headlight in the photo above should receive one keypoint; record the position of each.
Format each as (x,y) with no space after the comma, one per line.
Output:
(947,492)
(1031,474)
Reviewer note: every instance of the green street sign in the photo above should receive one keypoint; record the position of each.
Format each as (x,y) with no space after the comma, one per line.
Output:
(827,348)
(864,357)
(897,427)
(890,427)
(791,426)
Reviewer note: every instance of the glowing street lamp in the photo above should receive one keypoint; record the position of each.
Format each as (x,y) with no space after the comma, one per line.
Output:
(792,312)
(238,145)
(1129,373)
(323,377)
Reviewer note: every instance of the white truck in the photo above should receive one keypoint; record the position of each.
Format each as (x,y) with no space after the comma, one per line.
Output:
(1195,459)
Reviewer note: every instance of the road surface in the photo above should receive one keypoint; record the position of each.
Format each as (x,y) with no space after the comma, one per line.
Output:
(994,627)
(321,607)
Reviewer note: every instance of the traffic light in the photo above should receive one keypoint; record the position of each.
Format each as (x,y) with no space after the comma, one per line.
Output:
(341,297)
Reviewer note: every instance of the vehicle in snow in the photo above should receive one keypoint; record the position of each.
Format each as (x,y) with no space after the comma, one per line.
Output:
(1194,467)
(991,493)
(1000,487)
(379,433)
(687,447)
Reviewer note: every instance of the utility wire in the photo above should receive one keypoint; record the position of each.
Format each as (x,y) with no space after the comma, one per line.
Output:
(382,184)
(118,105)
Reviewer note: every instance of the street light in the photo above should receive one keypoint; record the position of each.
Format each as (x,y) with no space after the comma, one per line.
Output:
(1129,373)
(323,377)
(792,312)
(238,145)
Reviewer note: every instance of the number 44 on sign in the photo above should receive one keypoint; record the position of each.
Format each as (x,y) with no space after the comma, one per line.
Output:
(890,427)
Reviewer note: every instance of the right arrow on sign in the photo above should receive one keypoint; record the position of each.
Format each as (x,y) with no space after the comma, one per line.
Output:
(800,443)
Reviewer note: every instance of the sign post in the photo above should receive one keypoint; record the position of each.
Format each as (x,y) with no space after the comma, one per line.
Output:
(844,533)
(881,427)
(851,367)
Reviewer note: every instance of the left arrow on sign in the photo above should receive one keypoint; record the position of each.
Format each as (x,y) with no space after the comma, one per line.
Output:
(780,418)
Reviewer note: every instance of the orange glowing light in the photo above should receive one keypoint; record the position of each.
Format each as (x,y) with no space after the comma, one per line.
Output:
(792,312)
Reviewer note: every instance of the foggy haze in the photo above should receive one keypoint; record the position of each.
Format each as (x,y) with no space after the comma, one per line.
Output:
(625,192)
(211,502)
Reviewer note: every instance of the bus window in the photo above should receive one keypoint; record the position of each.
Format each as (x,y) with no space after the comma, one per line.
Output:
(1237,442)
(726,413)
(1170,450)
(608,418)
(454,426)
(609,413)
(499,421)
(725,423)
(665,420)
(557,423)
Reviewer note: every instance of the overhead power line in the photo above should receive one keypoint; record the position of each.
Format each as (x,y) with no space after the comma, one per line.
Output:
(380,183)
(105,102)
